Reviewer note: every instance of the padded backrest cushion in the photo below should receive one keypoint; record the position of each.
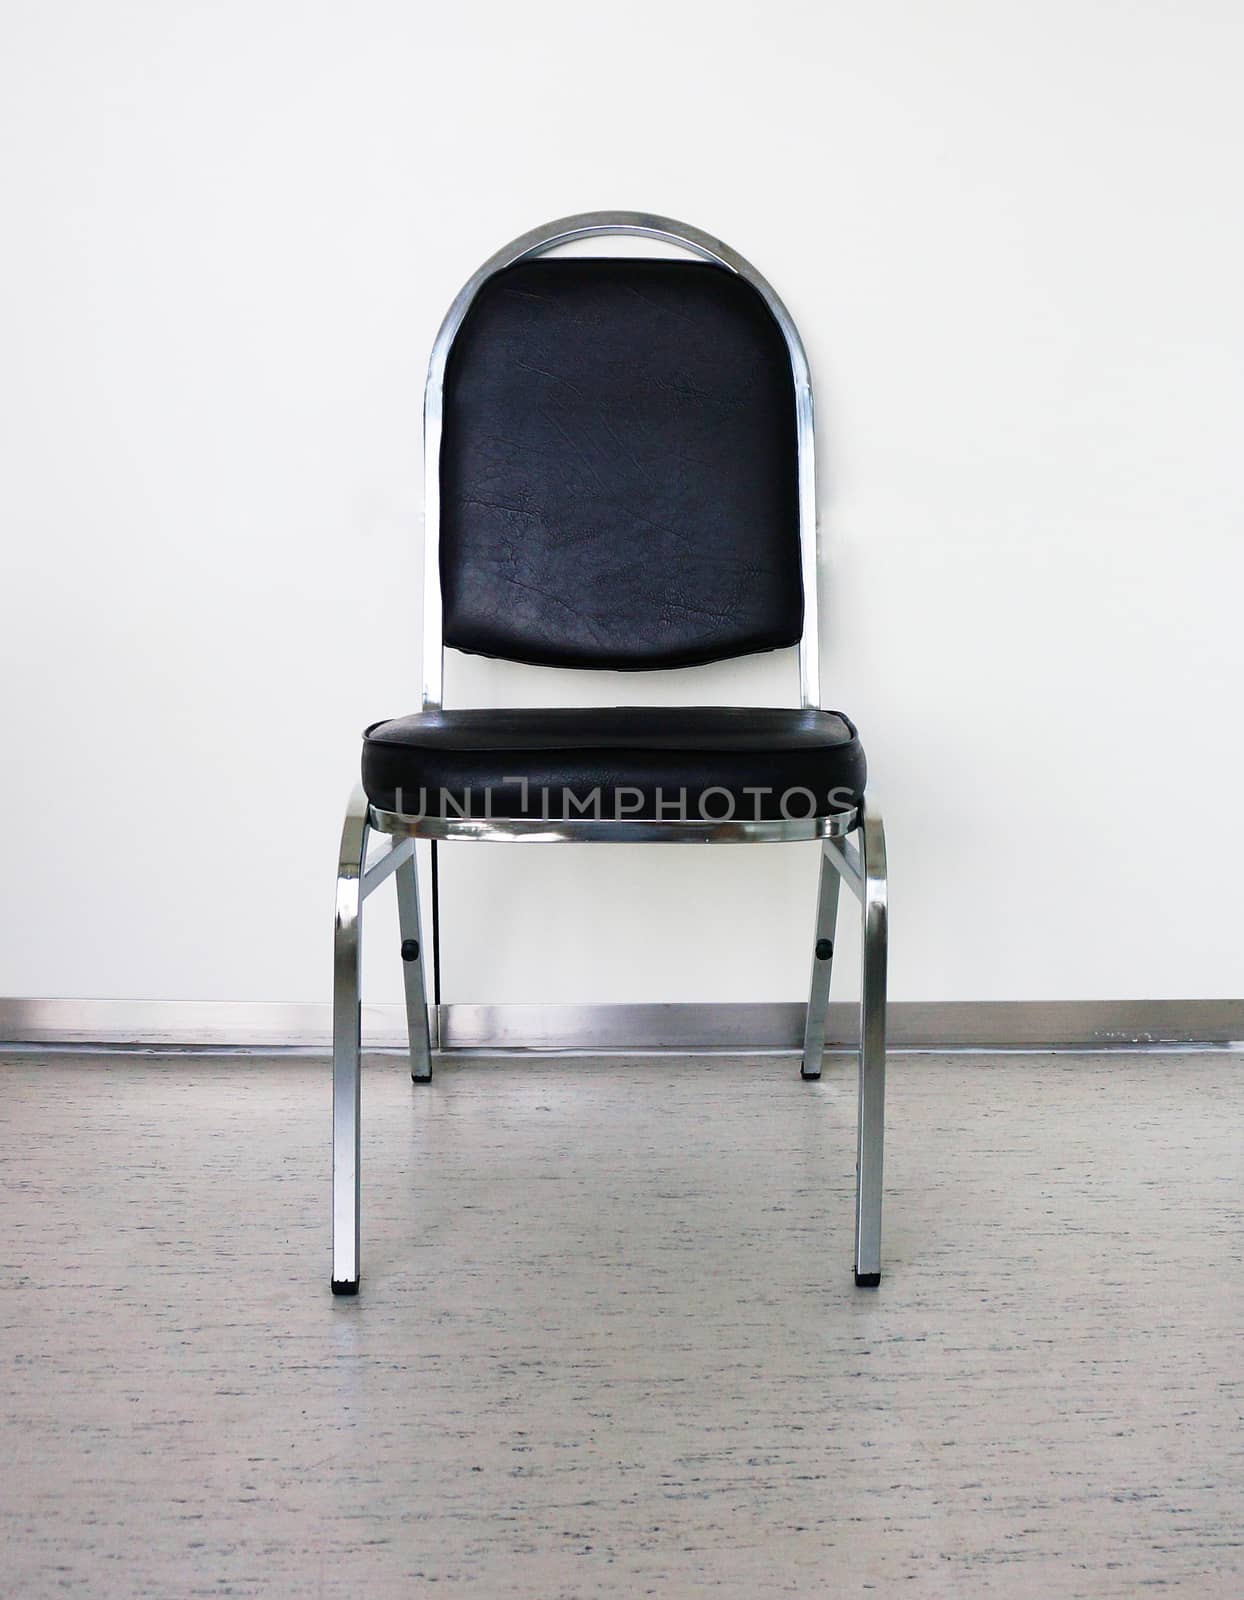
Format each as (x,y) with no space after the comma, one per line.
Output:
(618,468)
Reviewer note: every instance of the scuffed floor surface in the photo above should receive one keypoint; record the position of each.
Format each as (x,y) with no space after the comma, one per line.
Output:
(608,1342)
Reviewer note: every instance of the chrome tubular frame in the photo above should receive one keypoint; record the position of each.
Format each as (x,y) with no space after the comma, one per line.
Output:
(862,868)
(411,927)
(870,1151)
(346,1042)
(607,830)
(822,967)
(355,881)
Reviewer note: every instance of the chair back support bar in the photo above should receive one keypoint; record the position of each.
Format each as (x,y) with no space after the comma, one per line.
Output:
(766,615)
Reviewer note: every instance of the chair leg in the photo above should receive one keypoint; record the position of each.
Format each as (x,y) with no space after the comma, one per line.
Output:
(822,968)
(346,1042)
(872,1054)
(407,878)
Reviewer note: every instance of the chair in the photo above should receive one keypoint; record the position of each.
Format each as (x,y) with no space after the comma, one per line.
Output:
(619,474)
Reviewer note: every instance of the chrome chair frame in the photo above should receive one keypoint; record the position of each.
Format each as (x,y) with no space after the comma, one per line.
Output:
(862,865)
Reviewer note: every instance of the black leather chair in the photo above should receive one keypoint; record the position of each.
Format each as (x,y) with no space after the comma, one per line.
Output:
(619,474)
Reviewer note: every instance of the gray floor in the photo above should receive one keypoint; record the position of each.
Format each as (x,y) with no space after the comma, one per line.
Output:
(608,1343)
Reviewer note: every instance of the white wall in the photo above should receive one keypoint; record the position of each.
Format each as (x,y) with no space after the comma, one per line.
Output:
(1012,235)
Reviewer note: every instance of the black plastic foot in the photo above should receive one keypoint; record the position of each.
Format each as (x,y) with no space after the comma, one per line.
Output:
(809,1077)
(867,1280)
(345,1286)
(415,1078)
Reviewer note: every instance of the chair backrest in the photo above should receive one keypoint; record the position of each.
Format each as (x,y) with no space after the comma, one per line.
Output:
(619,461)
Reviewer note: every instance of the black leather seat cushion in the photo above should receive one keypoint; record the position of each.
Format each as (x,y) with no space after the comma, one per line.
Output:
(803,762)
(619,474)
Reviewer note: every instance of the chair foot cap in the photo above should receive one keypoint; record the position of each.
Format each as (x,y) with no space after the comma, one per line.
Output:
(809,1077)
(426,1078)
(867,1280)
(345,1286)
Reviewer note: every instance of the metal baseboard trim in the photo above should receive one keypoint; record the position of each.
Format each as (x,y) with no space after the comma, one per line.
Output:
(699,1027)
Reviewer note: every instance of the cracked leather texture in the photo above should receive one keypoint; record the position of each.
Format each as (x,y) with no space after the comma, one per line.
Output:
(618,468)
(671,749)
